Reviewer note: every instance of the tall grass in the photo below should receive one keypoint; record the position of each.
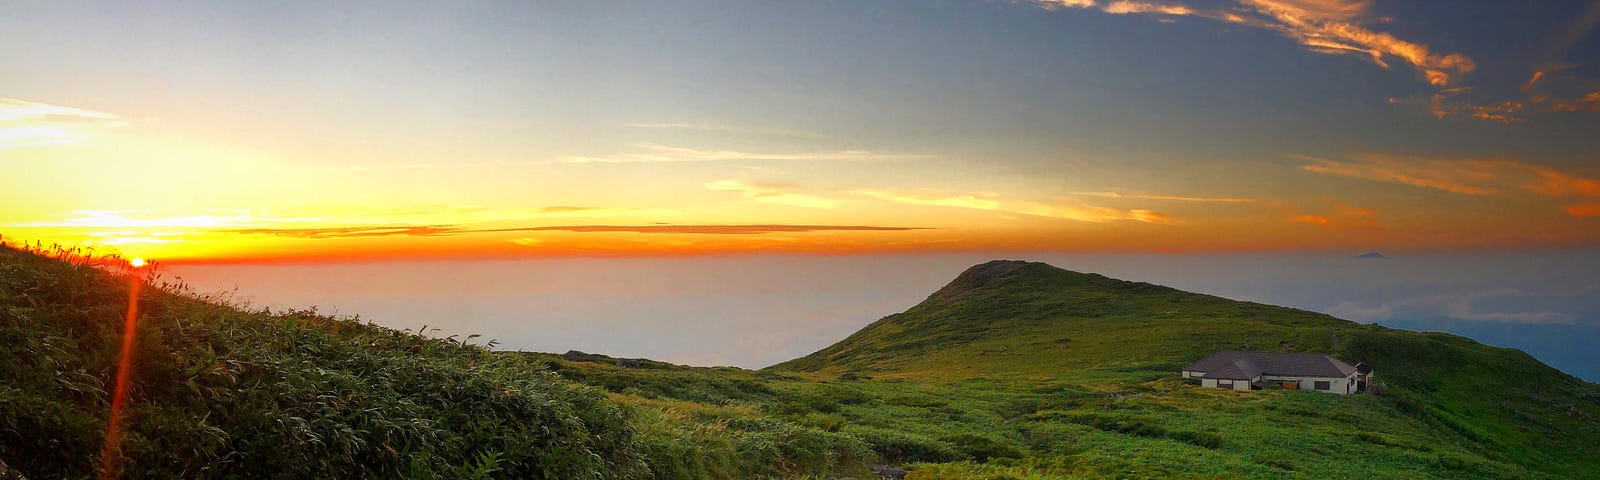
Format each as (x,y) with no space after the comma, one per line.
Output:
(223,391)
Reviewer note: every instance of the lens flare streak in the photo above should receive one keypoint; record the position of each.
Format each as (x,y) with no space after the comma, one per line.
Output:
(111,457)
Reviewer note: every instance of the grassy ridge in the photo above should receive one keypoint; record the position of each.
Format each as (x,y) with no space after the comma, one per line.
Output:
(1116,423)
(1031,323)
(222,392)
(1015,370)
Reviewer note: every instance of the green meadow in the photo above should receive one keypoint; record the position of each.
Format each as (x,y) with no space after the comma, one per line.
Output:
(1013,371)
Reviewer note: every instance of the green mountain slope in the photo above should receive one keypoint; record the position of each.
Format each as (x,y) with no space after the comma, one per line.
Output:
(1015,370)
(1011,318)
(1017,322)
(225,392)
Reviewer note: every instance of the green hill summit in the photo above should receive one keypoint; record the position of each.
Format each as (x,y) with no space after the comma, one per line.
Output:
(1029,323)
(1009,318)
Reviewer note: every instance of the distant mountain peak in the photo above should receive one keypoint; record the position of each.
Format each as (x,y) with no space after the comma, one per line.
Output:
(1372,256)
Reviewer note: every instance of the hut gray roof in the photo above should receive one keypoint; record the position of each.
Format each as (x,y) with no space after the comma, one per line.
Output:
(1235,365)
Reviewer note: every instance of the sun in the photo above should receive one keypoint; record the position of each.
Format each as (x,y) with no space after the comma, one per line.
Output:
(137,262)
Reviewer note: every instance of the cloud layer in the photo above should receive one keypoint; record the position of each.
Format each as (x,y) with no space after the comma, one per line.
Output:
(31,124)
(987,202)
(772,193)
(1334,27)
(656,153)
(1471,176)
(434,230)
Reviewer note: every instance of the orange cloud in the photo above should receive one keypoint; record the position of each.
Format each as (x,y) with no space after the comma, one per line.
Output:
(1124,7)
(707,229)
(1308,218)
(1464,176)
(1557,184)
(1324,26)
(1587,210)
(350,232)
(1341,216)
(1436,174)
(1443,104)
(1540,74)
(1587,103)
(436,230)
(1334,26)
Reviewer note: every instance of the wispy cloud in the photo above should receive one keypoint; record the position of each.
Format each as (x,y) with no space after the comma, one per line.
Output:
(1540,98)
(121,219)
(440,219)
(438,230)
(1539,74)
(13,110)
(1584,210)
(1340,216)
(125,237)
(1576,31)
(1457,306)
(1448,102)
(31,124)
(1335,27)
(351,232)
(1175,198)
(1477,179)
(991,202)
(1348,27)
(760,131)
(1514,317)
(710,229)
(1589,102)
(772,193)
(1467,176)
(655,153)
(433,165)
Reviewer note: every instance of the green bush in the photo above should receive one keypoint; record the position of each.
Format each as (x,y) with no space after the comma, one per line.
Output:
(981,448)
(897,447)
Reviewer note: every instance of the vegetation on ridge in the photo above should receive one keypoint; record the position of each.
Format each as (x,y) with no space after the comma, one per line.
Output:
(1015,370)
(226,392)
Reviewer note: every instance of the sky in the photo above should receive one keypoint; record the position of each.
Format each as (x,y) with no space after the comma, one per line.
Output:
(336,134)
(269,132)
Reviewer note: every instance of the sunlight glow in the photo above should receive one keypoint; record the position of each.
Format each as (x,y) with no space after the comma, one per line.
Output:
(137,262)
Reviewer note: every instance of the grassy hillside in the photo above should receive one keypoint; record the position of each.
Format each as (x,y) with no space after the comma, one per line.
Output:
(1015,370)
(224,392)
(1451,402)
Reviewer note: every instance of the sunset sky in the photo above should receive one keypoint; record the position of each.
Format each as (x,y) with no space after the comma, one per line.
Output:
(226,132)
